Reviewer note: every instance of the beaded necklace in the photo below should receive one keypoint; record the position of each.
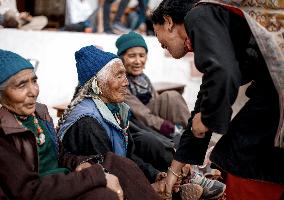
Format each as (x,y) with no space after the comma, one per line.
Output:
(124,129)
(40,137)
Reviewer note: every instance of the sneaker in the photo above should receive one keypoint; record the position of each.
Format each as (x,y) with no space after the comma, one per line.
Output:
(120,27)
(212,189)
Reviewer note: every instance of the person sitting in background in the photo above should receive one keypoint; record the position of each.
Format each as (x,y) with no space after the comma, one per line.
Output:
(10,17)
(160,112)
(135,19)
(81,15)
(30,166)
(97,119)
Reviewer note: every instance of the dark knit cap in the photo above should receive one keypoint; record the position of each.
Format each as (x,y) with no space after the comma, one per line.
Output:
(89,61)
(10,64)
(130,40)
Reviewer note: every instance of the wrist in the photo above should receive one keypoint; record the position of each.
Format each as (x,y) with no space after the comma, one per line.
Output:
(176,174)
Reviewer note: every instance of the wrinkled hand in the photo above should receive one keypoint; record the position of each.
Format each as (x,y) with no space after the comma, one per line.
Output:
(114,185)
(186,169)
(83,166)
(161,188)
(177,184)
(172,184)
(198,128)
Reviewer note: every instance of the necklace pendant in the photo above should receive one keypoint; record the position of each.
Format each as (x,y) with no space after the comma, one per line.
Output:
(41,139)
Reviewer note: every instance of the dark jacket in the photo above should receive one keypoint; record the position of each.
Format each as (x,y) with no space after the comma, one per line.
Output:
(19,165)
(226,52)
(86,133)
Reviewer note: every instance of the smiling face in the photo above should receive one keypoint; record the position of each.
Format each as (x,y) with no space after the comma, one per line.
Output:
(113,83)
(21,93)
(134,60)
(170,38)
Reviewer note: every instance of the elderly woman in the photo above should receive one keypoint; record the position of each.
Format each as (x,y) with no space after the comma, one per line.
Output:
(160,112)
(29,152)
(97,119)
(30,168)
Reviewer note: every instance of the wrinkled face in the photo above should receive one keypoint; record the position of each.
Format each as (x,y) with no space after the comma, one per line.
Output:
(114,84)
(169,38)
(134,60)
(21,93)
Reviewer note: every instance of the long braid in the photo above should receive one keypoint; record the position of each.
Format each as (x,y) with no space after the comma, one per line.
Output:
(79,95)
(89,90)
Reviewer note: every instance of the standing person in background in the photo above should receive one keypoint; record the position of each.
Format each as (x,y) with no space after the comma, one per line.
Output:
(142,7)
(117,26)
(106,16)
(226,52)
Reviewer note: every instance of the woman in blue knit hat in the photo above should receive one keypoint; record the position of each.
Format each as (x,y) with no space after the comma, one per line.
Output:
(31,165)
(97,119)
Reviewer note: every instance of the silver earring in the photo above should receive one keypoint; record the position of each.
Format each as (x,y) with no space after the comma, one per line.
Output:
(95,87)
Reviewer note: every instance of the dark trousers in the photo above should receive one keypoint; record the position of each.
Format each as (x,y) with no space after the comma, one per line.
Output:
(121,8)
(151,146)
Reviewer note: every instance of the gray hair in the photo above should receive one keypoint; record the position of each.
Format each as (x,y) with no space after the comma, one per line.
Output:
(2,89)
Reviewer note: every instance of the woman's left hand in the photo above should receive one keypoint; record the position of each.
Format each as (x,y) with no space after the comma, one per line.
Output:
(198,128)
(83,166)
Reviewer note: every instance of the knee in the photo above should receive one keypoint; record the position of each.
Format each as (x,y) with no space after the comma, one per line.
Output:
(172,94)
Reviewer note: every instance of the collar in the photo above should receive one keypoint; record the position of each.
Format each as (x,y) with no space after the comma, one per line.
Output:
(188,45)
(107,114)
(10,125)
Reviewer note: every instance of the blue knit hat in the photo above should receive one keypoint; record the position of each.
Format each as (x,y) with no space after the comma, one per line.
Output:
(10,64)
(129,40)
(89,61)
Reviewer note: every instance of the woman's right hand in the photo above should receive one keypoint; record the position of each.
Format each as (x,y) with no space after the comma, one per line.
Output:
(170,183)
(113,184)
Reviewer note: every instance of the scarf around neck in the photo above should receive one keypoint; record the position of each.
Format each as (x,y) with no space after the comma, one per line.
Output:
(141,87)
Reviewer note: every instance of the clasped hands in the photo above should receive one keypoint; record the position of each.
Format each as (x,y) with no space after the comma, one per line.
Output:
(162,187)
(166,184)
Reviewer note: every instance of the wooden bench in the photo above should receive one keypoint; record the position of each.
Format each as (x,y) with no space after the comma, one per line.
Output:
(160,87)
(60,108)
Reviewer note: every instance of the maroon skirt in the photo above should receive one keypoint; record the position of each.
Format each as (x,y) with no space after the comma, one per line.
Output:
(246,189)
